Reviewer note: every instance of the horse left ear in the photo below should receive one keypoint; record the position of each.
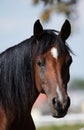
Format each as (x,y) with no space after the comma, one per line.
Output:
(65,30)
(38,29)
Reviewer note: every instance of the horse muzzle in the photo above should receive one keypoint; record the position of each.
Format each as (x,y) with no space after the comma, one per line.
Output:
(60,108)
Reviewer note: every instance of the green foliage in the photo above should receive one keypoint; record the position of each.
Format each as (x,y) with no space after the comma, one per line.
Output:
(57,6)
(77,83)
(65,127)
(35,2)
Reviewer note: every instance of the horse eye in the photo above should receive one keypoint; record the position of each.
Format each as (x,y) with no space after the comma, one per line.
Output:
(40,63)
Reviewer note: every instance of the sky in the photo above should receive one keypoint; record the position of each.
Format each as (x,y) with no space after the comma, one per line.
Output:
(17,18)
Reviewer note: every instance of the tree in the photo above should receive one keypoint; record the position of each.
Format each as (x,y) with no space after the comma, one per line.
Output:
(77,84)
(66,7)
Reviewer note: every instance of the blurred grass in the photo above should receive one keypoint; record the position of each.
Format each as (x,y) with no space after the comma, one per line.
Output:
(64,127)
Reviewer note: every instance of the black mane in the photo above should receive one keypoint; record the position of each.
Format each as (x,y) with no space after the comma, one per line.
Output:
(17,77)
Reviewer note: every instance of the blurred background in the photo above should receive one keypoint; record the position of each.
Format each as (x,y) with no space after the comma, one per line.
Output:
(16,24)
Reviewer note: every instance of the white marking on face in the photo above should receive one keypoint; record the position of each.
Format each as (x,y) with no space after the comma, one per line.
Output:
(54,52)
(59,93)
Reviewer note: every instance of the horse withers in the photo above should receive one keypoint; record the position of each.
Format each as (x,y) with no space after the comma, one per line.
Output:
(37,65)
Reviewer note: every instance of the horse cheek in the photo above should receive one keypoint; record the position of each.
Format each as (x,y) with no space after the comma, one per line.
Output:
(37,78)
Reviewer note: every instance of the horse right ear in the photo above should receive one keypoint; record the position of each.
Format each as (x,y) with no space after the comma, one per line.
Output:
(38,29)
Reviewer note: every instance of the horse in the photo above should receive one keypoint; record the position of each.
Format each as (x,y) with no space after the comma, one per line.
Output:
(37,65)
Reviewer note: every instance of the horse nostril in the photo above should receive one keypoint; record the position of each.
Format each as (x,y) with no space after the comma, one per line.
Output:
(54,101)
(68,102)
(57,104)
(61,106)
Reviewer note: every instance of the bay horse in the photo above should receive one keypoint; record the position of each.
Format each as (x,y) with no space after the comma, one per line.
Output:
(37,65)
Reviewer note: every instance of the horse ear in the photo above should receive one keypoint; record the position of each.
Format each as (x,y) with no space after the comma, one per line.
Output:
(65,30)
(38,29)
